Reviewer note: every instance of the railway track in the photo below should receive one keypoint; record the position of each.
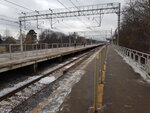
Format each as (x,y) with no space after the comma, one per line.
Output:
(17,96)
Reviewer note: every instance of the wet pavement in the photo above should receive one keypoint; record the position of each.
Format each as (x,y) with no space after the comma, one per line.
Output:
(124,90)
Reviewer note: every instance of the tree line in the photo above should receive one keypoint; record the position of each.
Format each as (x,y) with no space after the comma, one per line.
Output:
(135,25)
(47,36)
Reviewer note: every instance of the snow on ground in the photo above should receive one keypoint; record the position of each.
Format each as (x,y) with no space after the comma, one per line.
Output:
(136,67)
(58,96)
(74,58)
(68,66)
(47,80)
(54,101)
(7,90)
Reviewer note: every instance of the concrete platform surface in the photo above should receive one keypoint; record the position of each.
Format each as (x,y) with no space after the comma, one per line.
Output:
(124,90)
(80,100)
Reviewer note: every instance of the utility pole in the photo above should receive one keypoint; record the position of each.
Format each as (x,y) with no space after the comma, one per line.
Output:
(21,42)
(119,10)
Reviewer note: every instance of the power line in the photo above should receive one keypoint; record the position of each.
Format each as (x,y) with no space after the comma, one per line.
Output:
(70,11)
(12,24)
(77,7)
(3,16)
(18,5)
(8,20)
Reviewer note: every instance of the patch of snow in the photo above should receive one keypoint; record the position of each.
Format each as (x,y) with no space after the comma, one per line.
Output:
(47,80)
(6,90)
(74,58)
(59,95)
(68,66)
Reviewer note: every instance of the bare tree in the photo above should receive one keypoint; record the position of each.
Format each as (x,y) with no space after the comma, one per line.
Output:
(135,27)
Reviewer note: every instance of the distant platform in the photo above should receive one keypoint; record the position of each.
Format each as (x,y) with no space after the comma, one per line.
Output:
(21,59)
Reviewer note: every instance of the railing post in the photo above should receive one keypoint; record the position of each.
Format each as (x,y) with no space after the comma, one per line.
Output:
(25,50)
(133,57)
(10,52)
(139,59)
(130,54)
(32,47)
(52,46)
(37,46)
(37,50)
(148,65)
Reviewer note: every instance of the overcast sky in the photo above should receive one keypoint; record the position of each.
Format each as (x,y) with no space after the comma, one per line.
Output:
(12,12)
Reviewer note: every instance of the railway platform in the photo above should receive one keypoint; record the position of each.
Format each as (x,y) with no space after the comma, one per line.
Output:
(10,61)
(124,90)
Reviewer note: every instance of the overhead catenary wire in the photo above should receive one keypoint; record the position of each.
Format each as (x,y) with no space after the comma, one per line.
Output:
(8,20)
(9,24)
(70,11)
(3,16)
(18,5)
(77,7)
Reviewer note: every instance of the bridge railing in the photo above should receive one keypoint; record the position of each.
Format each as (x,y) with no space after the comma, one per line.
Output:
(141,59)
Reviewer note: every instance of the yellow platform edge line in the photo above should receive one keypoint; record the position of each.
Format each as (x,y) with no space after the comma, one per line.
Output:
(101,88)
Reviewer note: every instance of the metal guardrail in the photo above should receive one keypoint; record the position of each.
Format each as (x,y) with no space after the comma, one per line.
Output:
(11,48)
(141,59)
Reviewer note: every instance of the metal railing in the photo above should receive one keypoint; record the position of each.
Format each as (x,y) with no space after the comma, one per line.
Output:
(13,51)
(11,48)
(142,60)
